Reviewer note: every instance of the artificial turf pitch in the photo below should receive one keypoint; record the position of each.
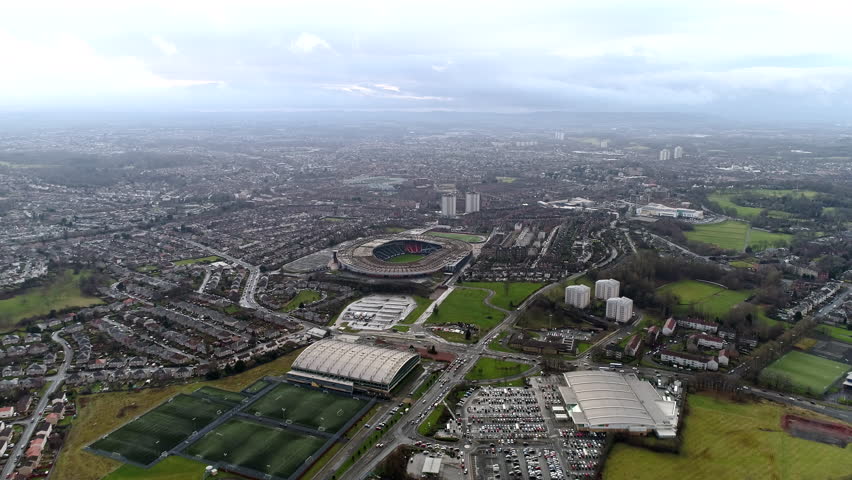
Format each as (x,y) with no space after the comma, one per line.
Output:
(144,439)
(269,450)
(326,412)
(807,373)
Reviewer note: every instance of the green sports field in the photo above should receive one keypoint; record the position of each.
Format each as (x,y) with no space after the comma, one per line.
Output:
(507,295)
(808,373)
(837,333)
(172,468)
(707,299)
(161,429)
(487,368)
(405,258)
(310,408)
(269,450)
(466,306)
(465,237)
(193,261)
(726,440)
(62,291)
(731,235)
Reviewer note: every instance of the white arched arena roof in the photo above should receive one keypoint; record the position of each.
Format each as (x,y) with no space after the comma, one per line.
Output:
(359,363)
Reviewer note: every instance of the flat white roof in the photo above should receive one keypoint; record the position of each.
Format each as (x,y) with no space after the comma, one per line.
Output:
(352,361)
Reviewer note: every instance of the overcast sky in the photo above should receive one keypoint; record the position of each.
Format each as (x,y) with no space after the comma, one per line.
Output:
(748,58)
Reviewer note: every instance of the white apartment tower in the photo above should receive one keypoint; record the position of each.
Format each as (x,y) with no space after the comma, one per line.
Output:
(578,295)
(448,205)
(665,154)
(606,289)
(471,202)
(678,152)
(620,309)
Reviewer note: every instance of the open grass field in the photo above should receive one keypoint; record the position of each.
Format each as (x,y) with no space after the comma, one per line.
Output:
(431,425)
(172,468)
(193,261)
(725,199)
(507,295)
(708,300)
(729,440)
(304,296)
(422,304)
(731,235)
(269,450)
(310,408)
(161,429)
(99,414)
(741,264)
(488,368)
(459,236)
(506,179)
(212,393)
(62,291)
(466,306)
(836,333)
(406,258)
(807,372)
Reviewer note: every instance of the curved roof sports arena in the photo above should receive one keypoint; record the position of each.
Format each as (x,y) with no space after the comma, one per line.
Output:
(350,366)
(401,256)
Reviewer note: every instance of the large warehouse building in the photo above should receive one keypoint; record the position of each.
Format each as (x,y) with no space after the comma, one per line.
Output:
(609,401)
(351,367)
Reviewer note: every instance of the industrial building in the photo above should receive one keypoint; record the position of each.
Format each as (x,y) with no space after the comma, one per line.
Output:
(619,309)
(606,289)
(614,402)
(471,202)
(351,367)
(658,210)
(448,205)
(578,295)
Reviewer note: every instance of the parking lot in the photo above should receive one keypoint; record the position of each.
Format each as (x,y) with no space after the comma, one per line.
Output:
(504,415)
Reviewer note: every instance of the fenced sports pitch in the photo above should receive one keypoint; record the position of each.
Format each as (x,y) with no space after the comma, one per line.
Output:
(325,412)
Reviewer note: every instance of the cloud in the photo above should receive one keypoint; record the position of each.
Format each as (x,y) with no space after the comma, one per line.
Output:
(383,90)
(442,67)
(167,48)
(389,88)
(307,43)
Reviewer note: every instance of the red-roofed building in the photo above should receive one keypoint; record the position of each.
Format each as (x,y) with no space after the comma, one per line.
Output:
(633,346)
(669,327)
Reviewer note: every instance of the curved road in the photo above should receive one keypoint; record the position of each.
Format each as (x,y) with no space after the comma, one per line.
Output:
(32,422)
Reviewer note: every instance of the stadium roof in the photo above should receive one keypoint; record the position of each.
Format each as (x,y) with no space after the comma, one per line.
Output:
(349,360)
(605,399)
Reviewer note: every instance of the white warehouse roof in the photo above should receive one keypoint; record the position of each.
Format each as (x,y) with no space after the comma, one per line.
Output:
(353,361)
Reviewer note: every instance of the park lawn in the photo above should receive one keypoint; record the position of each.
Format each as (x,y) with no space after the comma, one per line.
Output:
(487,368)
(723,439)
(101,413)
(808,373)
(728,235)
(465,306)
(405,258)
(760,240)
(741,264)
(583,346)
(172,468)
(60,292)
(507,295)
(422,304)
(465,237)
(193,261)
(304,296)
(836,333)
(711,301)
(506,179)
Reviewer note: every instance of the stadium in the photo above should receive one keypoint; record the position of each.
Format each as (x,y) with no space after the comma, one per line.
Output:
(404,256)
(349,367)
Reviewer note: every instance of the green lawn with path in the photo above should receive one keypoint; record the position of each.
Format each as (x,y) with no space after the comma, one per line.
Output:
(304,296)
(727,440)
(507,295)
(59,292)
(807,373)
(465,306)
(422,304)
(465,237)
(731,235)
(487,368)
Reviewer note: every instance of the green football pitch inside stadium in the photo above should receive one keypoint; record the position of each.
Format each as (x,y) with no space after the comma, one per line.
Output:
(406,258)
(311,408)
(161,429)
(270,450)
